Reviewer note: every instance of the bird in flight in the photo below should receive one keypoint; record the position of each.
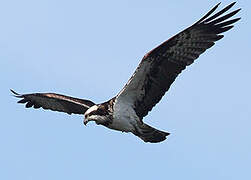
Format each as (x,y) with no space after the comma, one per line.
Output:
(151,80)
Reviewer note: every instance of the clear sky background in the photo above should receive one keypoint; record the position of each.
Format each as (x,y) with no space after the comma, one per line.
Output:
(89,49)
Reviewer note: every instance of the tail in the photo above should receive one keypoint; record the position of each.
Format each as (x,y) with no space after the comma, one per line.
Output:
(150,134)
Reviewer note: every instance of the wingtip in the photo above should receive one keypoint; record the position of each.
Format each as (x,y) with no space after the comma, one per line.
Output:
(234,2)
(231,5)
(14,93)
(238,9)
(237,19)
(217,5)
(208,13)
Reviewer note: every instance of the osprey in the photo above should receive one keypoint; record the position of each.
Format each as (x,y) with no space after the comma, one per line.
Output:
(153,77)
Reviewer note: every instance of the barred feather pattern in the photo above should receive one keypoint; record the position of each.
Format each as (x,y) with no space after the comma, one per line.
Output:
(160,67)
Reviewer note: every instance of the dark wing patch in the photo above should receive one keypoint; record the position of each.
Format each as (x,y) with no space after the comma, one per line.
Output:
(54,102)
(159,68)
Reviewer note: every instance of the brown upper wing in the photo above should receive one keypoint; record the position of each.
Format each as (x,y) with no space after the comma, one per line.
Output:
(54,102)
(159,68)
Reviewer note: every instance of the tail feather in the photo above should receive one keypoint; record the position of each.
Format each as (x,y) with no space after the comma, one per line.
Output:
(150,134)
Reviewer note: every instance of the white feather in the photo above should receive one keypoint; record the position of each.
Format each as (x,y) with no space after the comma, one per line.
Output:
(93,108)
(124,117)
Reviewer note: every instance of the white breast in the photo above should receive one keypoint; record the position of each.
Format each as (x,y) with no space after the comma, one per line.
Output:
(124,117)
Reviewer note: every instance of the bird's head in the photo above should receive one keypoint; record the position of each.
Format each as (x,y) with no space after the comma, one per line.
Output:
(97,113)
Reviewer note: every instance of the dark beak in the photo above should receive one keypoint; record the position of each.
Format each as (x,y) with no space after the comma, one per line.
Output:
(85,122)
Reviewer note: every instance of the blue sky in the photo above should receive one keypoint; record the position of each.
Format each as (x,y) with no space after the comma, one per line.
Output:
(89,49)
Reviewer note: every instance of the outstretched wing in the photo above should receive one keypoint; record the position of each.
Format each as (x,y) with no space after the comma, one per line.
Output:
(54,102)
(159,68)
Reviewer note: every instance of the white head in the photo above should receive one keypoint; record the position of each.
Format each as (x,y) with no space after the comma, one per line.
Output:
(91,109)
(97,113)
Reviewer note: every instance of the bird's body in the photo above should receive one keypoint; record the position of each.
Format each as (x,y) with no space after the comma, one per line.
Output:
(152,79)
(124,118)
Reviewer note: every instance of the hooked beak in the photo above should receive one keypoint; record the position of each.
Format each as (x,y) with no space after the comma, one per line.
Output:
(86,121)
